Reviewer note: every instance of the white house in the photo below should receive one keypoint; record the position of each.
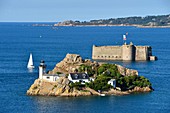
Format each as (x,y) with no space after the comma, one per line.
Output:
(112,82)
(48,77)
(79,77)
(51,78)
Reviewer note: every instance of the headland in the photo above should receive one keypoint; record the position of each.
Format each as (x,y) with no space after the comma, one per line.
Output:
(160,21)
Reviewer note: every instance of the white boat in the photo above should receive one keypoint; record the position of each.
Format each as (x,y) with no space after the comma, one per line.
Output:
(30,62)
(102,95)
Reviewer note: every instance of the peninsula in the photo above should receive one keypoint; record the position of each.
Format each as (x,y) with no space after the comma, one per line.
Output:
(162,21)
(74,76)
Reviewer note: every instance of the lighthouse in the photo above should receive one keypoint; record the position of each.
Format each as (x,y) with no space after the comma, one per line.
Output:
(42,69)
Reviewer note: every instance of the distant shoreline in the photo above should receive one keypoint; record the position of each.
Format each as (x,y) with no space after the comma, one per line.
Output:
(102,25)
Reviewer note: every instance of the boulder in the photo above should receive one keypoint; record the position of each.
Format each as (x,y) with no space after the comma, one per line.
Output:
(125,71)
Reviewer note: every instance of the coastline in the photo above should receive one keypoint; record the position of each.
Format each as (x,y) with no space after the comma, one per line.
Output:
(61,88)
(96,85)
(100,25)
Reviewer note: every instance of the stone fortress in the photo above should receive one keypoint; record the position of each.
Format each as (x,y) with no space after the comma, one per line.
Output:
(126,52)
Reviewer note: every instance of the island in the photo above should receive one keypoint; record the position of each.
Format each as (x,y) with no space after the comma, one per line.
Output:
(75,76)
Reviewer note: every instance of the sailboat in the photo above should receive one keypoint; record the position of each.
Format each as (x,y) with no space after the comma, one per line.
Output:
(30,62)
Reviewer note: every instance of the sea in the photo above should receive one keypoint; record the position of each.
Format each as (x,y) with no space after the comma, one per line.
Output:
(51,44)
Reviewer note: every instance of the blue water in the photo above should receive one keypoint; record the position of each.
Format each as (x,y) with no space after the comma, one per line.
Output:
(17,40)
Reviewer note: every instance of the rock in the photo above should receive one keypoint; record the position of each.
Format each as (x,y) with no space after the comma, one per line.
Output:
(125,71)
(59,88)
(139,89)
(116,92)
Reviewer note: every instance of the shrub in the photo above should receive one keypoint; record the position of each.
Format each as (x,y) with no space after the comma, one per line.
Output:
(76,85)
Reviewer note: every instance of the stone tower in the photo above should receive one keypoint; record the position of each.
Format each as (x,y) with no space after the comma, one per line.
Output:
(42,69)
(128,52)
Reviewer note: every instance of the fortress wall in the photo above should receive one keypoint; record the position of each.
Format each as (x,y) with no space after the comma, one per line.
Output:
(107,52)
(128,52)
(142,53)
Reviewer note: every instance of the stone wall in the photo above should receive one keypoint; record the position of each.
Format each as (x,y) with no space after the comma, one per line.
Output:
(124,52)
(141,53)
(107,52)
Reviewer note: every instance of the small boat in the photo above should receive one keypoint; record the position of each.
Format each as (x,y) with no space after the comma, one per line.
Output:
(30,62)
(102,95)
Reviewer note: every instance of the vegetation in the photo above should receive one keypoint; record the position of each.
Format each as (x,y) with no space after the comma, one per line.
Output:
(59,73)
(109,71)
(76,85)
(129,82)
(87,68)
(163,20)
(100,83)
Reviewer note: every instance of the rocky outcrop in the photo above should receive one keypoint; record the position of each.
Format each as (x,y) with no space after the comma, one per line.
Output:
(136,89)
(139,89)
(71,63)
(125,71)
(59,88)
(65,23)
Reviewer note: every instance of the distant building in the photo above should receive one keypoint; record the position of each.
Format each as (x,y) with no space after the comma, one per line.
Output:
(79,77)
(112,82)
(126,52)
(49,77)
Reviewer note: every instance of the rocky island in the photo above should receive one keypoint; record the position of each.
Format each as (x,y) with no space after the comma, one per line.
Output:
(74,76)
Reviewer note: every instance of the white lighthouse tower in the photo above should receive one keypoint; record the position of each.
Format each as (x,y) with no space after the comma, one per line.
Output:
(42,69)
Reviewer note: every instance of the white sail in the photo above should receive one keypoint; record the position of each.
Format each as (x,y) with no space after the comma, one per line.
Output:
(30,62)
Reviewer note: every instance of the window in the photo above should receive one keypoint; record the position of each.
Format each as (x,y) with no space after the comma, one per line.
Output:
(84,75)
(48,77)
(76,76)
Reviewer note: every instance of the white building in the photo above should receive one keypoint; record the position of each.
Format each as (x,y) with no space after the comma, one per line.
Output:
(112,82)
(48,77)
(52,78)
(42,69)
(79,77)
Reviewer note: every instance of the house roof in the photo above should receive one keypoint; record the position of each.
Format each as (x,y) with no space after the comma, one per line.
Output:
(59,75)
(112,80)
(76,76)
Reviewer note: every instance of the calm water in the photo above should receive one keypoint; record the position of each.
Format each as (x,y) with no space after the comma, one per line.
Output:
(17,40)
